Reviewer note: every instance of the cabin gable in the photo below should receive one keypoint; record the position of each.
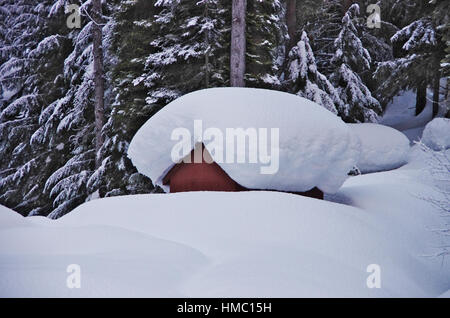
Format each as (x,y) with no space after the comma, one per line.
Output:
(209,176)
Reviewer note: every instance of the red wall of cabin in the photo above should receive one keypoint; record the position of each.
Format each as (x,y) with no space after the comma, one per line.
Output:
(201,177)
(186,177)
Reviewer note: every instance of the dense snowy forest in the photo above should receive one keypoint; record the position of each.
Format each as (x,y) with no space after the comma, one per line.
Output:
(79,78)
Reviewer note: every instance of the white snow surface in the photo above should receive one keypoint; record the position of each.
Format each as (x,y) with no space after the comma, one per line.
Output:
(436,134)
(400,113)
(316,148)
(382,148)
(247,244)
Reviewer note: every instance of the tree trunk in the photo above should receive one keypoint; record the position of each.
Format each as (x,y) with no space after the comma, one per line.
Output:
(346,4)
(207,47)
(446,99)
(237,56)
(436,83)
(421,98)
(291,21)
(98,78)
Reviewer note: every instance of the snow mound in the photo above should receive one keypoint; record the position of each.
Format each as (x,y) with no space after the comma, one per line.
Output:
(445,295)
(316,148)
(382,147)
(245,244)
(437,134)
(9,217)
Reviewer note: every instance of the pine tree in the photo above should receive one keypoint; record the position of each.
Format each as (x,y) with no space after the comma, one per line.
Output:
(129,110)
(305,80)
(403,12)
(377,40)
(267,36)
(350,59)
(188,51)
(98,73)
(31,58)
(322,20)
(441,20)
(67,125)
(419,48)
(291,23)
(53,168)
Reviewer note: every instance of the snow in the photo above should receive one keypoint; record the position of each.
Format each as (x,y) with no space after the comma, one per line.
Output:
(303,74)
(436,134)
(246,244)
(9,218)
(418,34)
(446,294)
(316,148)
(382,147)
(400,113)
(356,95)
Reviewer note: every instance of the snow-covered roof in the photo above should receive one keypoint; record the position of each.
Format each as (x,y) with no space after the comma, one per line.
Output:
(316,148)
(382,148)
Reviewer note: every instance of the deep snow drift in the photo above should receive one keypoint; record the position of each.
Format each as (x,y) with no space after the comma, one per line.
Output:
(400,113)
(436,134)
(382,148)
(237,244)
(313,142)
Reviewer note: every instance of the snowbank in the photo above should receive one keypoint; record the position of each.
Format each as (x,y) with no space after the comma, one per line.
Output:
(316,148)
(248,244)
(437,134)
(446,294)
(9,218)
(382,148)
(400,113)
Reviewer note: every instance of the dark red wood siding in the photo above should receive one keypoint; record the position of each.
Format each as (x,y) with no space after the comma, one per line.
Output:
(186,177)
(200,177)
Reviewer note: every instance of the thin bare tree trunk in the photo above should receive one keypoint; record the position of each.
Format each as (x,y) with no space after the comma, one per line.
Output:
(436,86)
(446,99)
(421,97)
(346,4)
(291,21)
(207,47)
(98,78)
(238,43)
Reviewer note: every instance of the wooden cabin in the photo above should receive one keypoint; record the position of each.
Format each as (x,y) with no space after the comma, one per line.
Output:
(209,176)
